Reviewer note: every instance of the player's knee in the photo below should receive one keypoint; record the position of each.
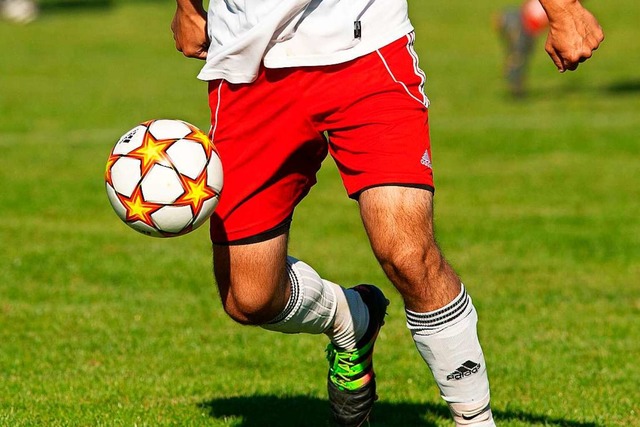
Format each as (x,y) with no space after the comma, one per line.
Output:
(395,263)
(245,313)
(248,309)
(411,265)
(409,258)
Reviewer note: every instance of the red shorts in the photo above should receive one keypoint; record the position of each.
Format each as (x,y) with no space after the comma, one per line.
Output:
(271,136)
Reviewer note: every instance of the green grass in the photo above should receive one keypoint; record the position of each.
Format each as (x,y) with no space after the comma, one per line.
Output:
(537,208)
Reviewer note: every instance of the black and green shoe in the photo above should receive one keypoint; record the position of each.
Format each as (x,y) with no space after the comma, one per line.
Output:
(352,382)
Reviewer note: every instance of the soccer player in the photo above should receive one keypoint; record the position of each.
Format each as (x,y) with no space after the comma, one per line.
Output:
(291,81)
(519,27)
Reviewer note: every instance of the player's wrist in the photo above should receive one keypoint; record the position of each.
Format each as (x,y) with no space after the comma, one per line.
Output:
(558,9)
(190,7)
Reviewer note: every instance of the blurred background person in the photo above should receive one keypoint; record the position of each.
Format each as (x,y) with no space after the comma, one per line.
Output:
(519,27)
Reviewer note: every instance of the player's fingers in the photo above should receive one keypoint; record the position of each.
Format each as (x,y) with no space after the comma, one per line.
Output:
(174,33)
(571,65)
(557,60)
(586,53)
(177,43)
(596,40)
(599,36)
(194,51)
(202,51)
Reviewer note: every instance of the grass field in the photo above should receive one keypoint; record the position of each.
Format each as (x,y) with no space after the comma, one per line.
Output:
(537,208)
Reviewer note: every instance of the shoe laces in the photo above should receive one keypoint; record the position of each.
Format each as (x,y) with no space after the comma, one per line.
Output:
(348,369)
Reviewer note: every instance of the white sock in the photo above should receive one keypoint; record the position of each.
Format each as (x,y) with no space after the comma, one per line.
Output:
(352,319)
(319,306)
(447,340)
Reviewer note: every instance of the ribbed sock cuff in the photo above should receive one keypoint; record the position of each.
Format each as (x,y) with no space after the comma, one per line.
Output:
(295,299)
(435,320)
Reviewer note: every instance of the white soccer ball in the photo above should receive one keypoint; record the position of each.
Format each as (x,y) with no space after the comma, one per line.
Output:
(20,11)
(164,178)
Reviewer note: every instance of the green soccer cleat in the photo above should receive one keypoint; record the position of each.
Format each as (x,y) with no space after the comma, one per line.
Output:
(351,382)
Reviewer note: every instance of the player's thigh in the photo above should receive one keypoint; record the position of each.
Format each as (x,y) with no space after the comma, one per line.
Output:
(253,276)
(256,266)
(398,221)
(380,136)
(270,154)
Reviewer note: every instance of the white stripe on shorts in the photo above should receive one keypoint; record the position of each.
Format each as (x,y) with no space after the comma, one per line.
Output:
(215,118)
(416,69)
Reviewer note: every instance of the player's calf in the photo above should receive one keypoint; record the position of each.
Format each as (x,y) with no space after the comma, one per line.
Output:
(447,340)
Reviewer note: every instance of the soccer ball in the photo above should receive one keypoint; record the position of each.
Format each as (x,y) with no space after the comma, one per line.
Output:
(19,11)
(164,178)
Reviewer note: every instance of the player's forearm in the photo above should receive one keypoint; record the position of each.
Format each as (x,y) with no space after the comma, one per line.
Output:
(190,6)
(557,8)
(189,26)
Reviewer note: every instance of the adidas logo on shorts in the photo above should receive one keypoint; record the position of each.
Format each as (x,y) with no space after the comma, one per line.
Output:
(426,160)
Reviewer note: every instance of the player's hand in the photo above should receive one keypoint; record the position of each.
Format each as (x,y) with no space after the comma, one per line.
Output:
(189,27)
(574,33)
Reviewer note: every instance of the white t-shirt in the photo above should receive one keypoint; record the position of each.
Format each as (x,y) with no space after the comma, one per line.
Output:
(291,33)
